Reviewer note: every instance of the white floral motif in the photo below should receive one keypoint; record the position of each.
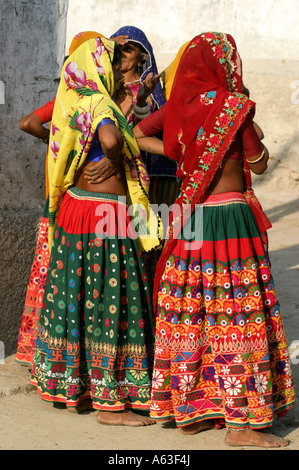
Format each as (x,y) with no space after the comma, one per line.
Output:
(158,379)
(225,370)
(187,383)
(261,383)
(232,385)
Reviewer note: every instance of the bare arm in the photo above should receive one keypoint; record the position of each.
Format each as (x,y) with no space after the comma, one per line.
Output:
(257,155)
(148,144)
(34,126)
(258,164)
(112,141)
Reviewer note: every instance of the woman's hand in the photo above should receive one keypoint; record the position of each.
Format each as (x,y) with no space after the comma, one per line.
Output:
(100,171)
(120,40)
(112,143)
(147,88)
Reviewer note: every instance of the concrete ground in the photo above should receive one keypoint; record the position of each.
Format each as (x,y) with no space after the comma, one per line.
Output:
(28,423)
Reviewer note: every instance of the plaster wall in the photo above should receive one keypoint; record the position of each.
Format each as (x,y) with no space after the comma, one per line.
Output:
(32,44)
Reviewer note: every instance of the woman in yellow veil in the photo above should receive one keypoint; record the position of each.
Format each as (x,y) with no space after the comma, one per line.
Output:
(95,337)
(33,124)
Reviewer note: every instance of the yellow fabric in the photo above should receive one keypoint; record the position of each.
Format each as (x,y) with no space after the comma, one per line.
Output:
(83,99)
(77,40)
(81,37)
(169,73)
(46,176)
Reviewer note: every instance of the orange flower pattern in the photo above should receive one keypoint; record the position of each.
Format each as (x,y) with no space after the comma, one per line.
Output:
(34,297)
(221,350)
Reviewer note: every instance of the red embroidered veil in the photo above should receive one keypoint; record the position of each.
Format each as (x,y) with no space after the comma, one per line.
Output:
(204,112)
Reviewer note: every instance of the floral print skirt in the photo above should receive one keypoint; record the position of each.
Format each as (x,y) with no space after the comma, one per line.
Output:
(221,350)
(95,335)
(34,295)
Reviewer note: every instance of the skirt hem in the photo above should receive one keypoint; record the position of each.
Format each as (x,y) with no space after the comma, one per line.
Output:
(73,403)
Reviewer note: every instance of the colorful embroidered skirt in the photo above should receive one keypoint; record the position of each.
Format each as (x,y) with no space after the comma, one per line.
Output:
(95,336)
(221,350)
(34,295)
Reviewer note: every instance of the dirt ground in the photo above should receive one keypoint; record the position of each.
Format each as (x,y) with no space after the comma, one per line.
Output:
(28,423)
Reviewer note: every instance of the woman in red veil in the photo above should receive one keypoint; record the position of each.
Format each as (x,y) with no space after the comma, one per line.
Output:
(221,351)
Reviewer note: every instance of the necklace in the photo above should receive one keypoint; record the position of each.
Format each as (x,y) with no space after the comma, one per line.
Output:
(131,83)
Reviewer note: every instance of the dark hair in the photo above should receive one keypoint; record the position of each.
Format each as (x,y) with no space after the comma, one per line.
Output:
(137,44)
(117,55)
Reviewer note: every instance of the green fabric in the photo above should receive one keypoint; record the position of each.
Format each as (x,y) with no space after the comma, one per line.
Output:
(222,222)
(95,335)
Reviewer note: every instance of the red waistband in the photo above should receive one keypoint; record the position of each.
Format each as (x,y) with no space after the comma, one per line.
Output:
(223,198)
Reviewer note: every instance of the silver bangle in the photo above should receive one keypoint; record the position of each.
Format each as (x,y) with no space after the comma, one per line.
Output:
(142,111)
(141,116)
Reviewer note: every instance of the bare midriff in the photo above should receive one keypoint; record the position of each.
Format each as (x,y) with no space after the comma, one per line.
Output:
(229,178)
(113,185)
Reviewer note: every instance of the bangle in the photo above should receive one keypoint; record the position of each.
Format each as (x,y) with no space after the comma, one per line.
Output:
(142,112)
(112,160)
(45,141)
(258,159)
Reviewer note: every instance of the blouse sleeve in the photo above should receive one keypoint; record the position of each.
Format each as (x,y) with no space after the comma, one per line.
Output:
(153,124)
(250,140)
(45,112)
(103,122)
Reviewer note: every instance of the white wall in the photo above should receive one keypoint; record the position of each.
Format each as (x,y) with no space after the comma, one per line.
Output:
(264,29)
(266,33)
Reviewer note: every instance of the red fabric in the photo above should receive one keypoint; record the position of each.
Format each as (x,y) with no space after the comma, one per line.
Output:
(45,112)
(246,138)
(252,147)
(246,141)
(153,124)
(200,72)
(102,217)
(203,115)
(251,143)
(260,216)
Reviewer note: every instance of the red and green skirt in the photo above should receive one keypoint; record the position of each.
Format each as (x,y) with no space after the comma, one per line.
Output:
(34,295)
(221,349)
(95,335)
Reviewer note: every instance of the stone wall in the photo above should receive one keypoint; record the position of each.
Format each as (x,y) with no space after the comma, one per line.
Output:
(32,45)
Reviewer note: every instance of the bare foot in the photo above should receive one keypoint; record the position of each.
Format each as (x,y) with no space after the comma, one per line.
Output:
(195,428)
(84,405)
(123,418)
(249,437)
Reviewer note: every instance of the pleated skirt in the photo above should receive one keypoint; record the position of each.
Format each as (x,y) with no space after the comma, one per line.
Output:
(95,335)
(221,349)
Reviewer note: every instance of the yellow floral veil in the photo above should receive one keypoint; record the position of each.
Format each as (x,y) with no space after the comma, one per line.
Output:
(83,99)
